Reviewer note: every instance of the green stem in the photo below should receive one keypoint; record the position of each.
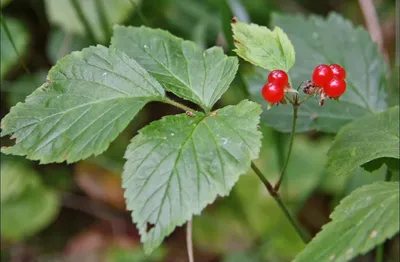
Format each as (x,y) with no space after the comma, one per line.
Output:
(5,27)
(379,253)
(178,105)
(278,200)
(282,174)
(103,18)
(85,22)
(388,175)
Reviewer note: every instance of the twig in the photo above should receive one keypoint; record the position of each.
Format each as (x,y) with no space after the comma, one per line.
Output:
(189,241)
(278,200)
(372,23)
(282,174)
(178,105)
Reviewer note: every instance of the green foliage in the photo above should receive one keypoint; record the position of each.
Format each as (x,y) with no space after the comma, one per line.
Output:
(364,219)
(179,65)
(24,86)
(63,14)
(178,165)
(27,206)
(9,56)
(316,41)
(89,98)
(61,43)
(115,254)
(4,3)
(262,47)
(372,137)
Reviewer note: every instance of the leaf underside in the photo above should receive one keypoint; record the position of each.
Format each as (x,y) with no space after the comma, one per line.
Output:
(363,220)
(179,65)
(179,164)
(371,137)
(88,99)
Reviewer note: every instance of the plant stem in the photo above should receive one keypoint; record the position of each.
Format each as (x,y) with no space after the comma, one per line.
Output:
(5,27)
(178,105)
(103,18)
(85,22)
(295,112)
(379,253)
(278,200)
(388,175)
(189,242)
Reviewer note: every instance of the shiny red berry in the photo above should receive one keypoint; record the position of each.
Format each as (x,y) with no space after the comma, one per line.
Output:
(279,77)
(322,75)
(338,71)
(272,92)
(335,88)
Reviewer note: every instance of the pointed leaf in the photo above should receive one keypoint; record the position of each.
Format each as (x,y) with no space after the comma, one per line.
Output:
(316,41)
(364,219)
(262,47)
(179,164)
(88,99)
(371,137)
(182,68)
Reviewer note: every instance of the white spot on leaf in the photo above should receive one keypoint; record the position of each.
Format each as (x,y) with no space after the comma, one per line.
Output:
(373,234)
(332,257)
(104,74)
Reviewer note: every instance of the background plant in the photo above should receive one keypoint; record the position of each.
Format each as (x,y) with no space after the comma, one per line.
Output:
(237,213)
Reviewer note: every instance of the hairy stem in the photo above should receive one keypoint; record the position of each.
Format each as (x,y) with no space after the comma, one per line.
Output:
(379,253)
(189,242)
(5,28)
(282,174)
(84,21)
(178,105)
(278,200)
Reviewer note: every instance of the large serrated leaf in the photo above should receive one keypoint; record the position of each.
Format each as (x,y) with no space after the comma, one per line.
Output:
(88,99)
(178,165)
(63,14)
(316,41)
(262,47)
(9,56)
(371,137)
(364,219)
(182,68)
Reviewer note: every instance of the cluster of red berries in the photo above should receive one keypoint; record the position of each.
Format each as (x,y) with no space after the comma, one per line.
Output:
(274,91)
(331,79)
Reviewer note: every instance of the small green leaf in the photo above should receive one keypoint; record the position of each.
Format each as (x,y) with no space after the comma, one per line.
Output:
(316,42)
(63,14)
(371,137)
(182,68)
(28,213)
(179,164)
(9,56)
(262,47)
(88,99)
(364,219)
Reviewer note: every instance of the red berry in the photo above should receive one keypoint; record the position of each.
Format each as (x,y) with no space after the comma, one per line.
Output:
(322,75)
(272,92)
(279,77)
(338,71)
(335,88)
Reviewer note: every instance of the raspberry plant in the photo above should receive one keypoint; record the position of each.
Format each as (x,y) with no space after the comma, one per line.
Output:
(177,165)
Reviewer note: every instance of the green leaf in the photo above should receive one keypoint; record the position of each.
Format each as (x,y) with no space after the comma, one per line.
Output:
(262,47)
(391,163)
(316,41)
(179,164)
(371,137)
(16,178)
(182,68)
(63,14)
(20,36)
(28,213)
(88,99)
(61,43)
(364,219)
